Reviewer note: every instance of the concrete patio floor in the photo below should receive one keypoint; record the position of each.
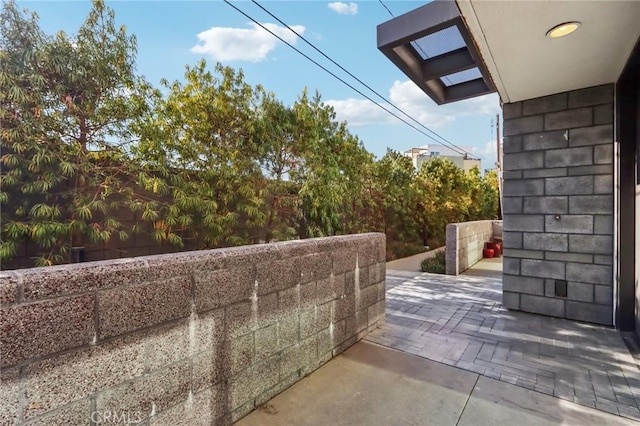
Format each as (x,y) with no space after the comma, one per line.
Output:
(460,321)
(373,385)
(450,354)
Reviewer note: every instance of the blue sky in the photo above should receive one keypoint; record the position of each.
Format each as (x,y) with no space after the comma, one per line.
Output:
(172,34)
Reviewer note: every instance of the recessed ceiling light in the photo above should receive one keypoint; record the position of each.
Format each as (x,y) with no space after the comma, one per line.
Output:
(563,29)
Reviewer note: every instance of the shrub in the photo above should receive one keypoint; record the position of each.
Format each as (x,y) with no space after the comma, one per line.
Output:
(435,264)
(400,249)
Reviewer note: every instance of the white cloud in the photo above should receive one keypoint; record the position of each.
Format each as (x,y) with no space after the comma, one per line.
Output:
(251,44)
(487,104)
(359,112)
(488,150)
(411,99)
(343,8)
(487,154)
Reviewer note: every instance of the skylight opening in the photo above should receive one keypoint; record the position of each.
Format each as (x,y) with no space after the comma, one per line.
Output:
(438,43)
(461,77)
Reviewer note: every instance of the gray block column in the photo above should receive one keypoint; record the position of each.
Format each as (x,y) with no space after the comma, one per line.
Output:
(558,205)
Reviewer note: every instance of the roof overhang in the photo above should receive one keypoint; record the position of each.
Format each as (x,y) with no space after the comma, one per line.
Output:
(433,47)
(506,43)
(526,64)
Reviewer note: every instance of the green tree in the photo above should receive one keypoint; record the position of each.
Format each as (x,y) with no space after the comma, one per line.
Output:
(317,174)
(332,174)
(402,218)
(363,196)
(475,191)
(210,160)
(65,108)
(281,157)
(483,195)
(322,183)
(489,200)
(200,159)
(444,197)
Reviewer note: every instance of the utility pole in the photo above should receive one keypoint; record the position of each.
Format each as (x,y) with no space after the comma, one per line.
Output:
(499,166)
(498,162)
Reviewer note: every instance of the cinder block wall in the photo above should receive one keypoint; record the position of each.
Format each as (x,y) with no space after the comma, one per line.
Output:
(558,204)
(497,229)
(192,338)
(465,241)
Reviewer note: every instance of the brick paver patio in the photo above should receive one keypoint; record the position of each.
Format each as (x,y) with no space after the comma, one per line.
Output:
(460,321)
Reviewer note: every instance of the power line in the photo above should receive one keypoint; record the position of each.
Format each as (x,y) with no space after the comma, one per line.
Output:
(327,70)
(385,6)
(451,144)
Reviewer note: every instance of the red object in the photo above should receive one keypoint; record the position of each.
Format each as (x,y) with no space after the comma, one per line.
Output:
(488,252)
(496,247)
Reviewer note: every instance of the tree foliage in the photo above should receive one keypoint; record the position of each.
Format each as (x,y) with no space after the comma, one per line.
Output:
(209,160)
(281,159)
(329,176)
(443,196)
(65,108)
(200,156)
(449,195)
(399,199)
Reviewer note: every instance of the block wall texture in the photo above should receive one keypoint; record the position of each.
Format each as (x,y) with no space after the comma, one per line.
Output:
(465,242)
(497,229)
(558,204)
(180,339)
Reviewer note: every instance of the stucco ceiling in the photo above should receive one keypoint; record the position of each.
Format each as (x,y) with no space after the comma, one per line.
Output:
(525,64)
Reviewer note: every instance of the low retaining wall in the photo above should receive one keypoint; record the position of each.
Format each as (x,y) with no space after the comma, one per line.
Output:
(465,242)
(198,337)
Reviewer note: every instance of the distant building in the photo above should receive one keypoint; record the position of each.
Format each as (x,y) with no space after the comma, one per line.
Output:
(425,153)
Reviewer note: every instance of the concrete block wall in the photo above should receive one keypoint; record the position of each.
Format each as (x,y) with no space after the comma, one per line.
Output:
(497,229)
(465,242)
(192,338)
(558,205)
